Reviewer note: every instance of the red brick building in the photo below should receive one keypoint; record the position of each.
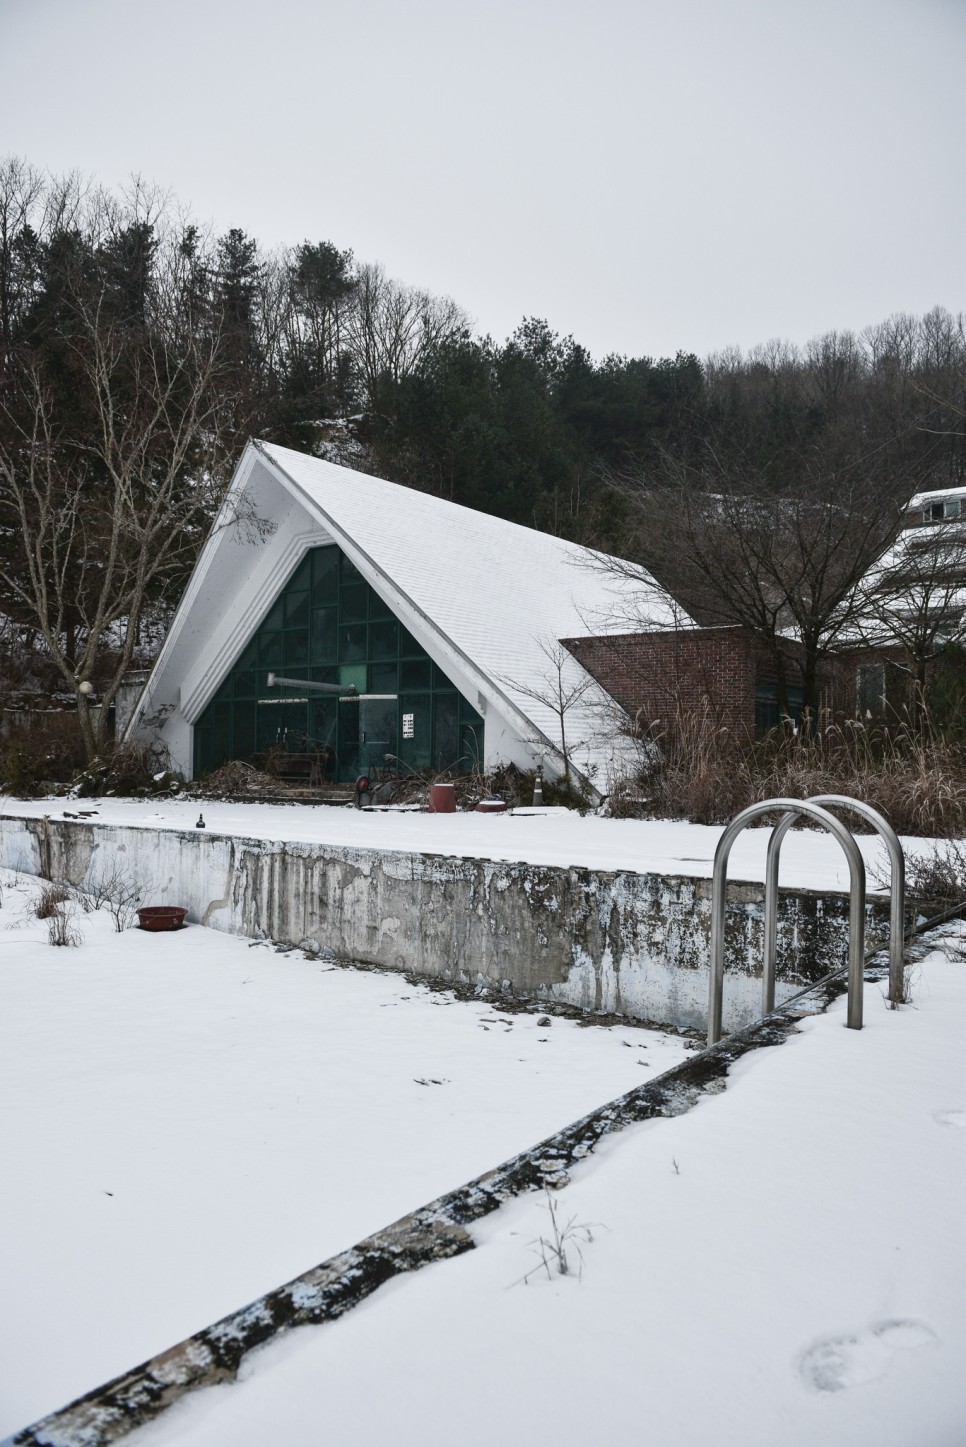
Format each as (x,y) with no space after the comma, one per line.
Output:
(729,673)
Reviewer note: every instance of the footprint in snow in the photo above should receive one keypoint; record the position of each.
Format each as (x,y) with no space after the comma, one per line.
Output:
(950,1117)
(848,1361)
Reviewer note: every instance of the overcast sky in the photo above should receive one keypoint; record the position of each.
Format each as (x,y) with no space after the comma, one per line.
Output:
(647,175)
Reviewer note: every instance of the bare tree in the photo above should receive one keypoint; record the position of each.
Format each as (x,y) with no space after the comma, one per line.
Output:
(560,688)
(393,325)
(914,598)
(105,495)
(779,549)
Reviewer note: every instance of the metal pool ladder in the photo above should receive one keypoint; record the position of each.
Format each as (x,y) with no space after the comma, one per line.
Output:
(818,809)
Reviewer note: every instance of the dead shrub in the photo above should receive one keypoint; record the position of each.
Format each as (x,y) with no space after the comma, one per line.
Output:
(234,780)
(62,925)
(57,905)
(939,876)
(128,769)
(704,772)
(697,769)
(115,889)
(40,749)
(49,900)
(919,785)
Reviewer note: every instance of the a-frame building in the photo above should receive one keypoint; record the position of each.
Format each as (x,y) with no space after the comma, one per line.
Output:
(439,627)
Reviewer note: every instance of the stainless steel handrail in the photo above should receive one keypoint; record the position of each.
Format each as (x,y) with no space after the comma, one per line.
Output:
(856,903)
(897,900)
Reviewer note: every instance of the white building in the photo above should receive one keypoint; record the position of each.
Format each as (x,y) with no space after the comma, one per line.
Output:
(437,628)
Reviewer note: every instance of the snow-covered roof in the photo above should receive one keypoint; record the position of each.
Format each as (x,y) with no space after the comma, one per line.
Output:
(502,594)
(491,596)
(942,494)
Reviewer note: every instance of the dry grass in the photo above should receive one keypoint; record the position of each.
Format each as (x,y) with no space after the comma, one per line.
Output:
(50,899)
(707,773)
(56,904)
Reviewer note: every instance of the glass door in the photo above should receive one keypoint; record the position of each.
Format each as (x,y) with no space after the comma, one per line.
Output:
(368,727)
(378,716)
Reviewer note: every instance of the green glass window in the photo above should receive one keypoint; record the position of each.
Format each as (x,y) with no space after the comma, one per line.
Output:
(297,648)
(408,647)
(767,712)
(352,642)
(325,575)
(297,610)
(384,639)
(329,626)
(270,647)
(266,726)
(416,674)
(301,581)
(445,731)
(325,635)
(349,741)
(276,618)
(353,604)
(353,675)
(383,677)
(243,732)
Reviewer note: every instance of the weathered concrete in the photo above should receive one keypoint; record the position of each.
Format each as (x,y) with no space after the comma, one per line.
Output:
(621,943)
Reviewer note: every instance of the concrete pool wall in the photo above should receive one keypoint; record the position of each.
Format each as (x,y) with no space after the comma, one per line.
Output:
(632,944)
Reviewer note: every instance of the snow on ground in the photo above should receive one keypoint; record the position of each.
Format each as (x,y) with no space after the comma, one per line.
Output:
(558,837)
(781,1267)
(189,1120)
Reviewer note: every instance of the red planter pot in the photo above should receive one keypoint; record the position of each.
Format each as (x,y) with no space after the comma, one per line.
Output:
(161,917)
(442,799)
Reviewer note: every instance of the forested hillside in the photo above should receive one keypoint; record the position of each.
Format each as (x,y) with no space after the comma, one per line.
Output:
(138,352)
(322,351)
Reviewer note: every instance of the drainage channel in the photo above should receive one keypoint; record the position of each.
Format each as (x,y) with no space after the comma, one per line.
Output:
(434,1232)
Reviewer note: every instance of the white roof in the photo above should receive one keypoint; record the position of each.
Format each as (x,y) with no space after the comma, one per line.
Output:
(497,592)
(942,494)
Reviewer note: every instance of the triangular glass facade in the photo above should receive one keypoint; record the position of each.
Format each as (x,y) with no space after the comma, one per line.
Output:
(329,626)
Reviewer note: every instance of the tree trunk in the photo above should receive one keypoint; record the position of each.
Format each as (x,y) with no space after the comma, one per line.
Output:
(86,720)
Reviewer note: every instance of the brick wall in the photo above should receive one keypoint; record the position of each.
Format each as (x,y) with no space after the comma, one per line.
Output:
(653,675)
(842,670)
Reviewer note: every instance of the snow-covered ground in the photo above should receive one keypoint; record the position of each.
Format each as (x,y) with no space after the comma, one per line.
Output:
(188,1120)
(549,836)
(781,1267)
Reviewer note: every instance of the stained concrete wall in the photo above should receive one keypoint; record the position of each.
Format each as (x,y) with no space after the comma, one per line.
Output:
(632,944)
